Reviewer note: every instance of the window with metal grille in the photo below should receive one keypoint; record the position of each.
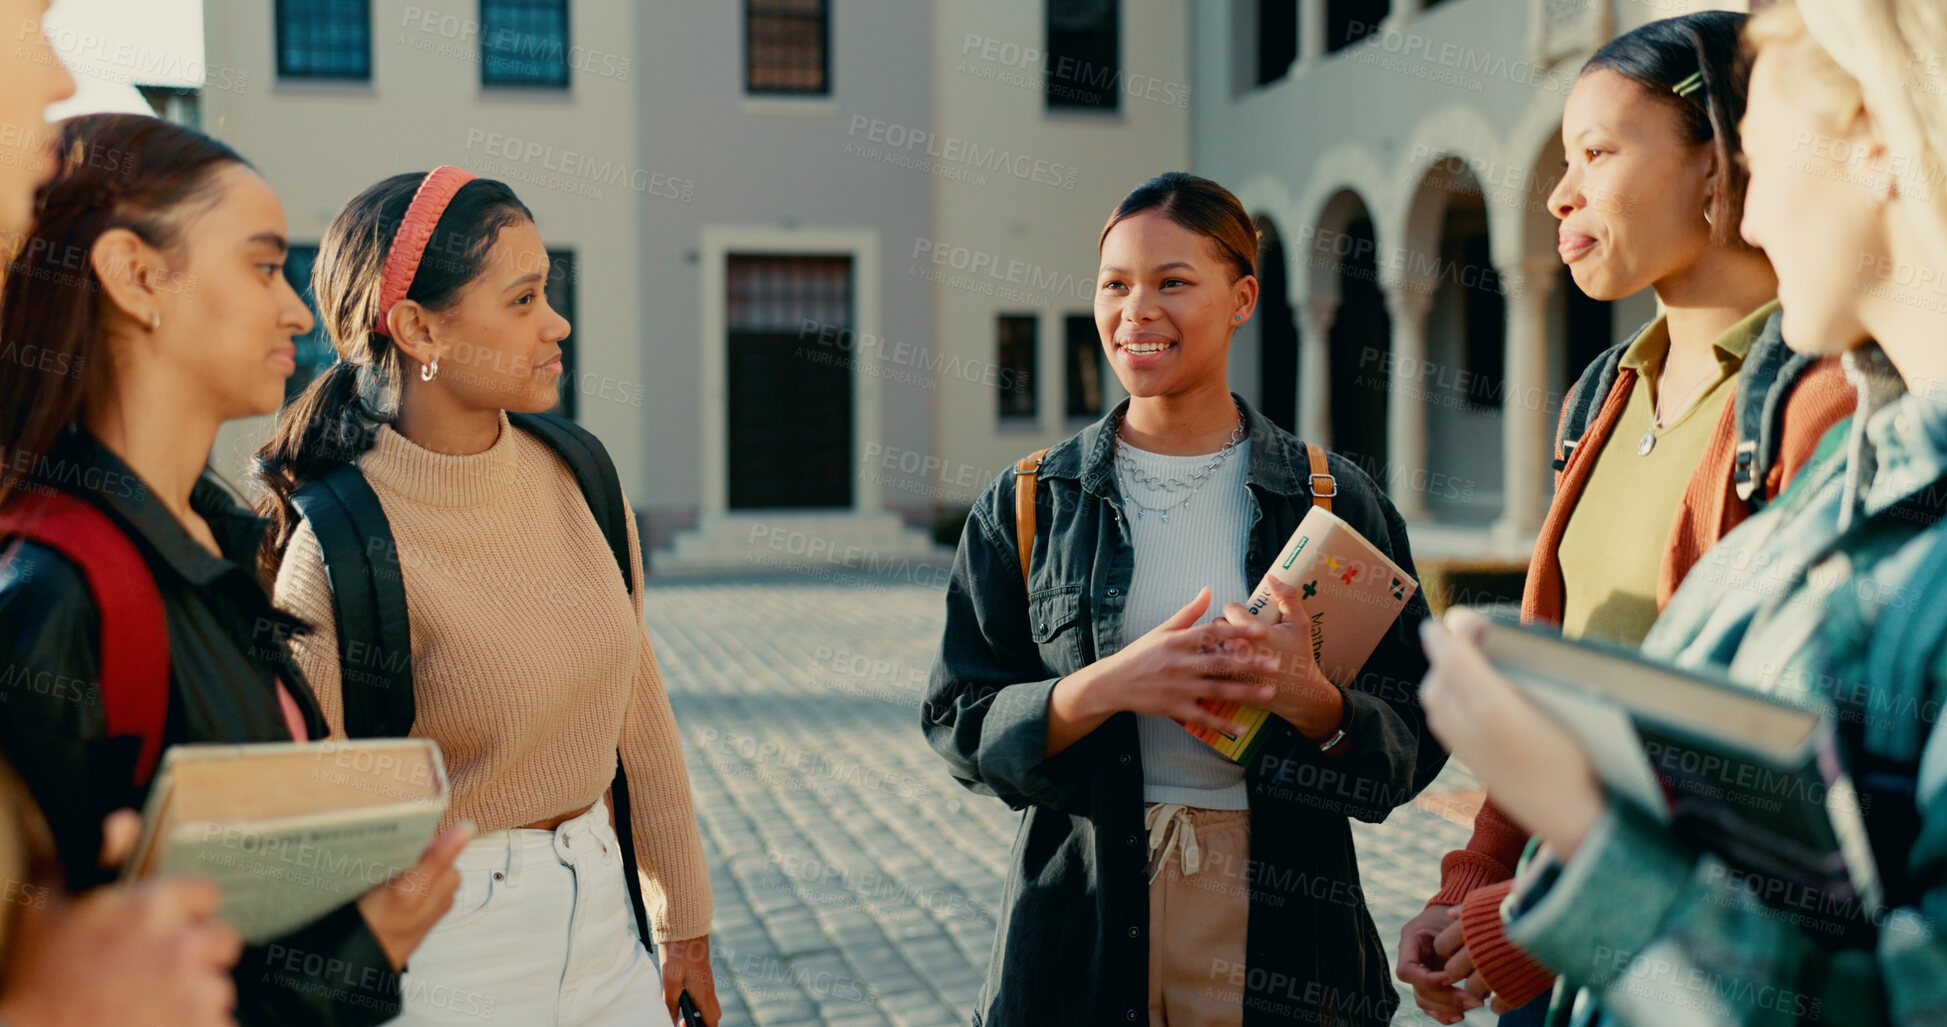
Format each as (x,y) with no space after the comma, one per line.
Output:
(1084,365)
(524,43)
(324,39)
(1084,54)
(787,47)
(560,291)
(1016,337)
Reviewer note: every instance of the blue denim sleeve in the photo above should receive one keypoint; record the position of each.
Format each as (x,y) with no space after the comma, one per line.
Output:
(1651,926)
(986,708)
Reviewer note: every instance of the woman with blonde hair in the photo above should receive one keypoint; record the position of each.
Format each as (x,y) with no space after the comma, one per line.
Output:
(1829,597)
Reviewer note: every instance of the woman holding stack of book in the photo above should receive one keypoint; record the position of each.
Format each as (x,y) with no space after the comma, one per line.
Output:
(1648,468)
(1154,878)
(1828,599)
(159,941)
(151,292)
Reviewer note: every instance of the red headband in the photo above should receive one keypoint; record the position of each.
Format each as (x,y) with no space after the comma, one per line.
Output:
(415,230)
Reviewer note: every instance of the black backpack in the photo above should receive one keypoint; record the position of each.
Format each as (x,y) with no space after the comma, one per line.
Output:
(1764,382)
(368,596)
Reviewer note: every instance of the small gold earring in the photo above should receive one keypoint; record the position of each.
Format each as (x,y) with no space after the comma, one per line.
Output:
(155,320)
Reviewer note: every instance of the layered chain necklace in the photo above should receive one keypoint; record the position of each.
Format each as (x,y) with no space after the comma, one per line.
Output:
(1126,471)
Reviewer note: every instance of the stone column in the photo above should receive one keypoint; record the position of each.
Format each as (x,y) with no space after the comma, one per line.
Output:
(1405,470)
(1311,32)
(1315,317)
(1526,422)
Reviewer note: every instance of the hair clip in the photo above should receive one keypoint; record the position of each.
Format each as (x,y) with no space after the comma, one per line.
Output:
(1689,85)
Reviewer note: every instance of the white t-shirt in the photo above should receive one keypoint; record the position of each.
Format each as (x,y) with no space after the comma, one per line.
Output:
(1202,543)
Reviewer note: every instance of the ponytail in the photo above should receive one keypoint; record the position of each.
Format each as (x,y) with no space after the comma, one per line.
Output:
(329,424)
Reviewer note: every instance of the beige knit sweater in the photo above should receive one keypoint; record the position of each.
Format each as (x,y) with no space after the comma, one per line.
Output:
(531,667)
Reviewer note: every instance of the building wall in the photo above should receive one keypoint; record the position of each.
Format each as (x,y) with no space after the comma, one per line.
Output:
(1465,94)
(569,154)
(1025,243)
(769,173)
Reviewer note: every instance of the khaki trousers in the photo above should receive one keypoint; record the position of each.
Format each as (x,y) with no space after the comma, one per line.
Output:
(1199,907)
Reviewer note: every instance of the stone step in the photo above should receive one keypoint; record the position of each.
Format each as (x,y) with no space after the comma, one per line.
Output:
(770,540)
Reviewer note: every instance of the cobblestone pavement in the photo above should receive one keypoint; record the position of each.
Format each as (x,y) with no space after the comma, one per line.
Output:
(855,880)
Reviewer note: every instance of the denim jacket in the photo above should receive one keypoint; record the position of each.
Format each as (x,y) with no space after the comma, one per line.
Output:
(1072,944)
(1791,603)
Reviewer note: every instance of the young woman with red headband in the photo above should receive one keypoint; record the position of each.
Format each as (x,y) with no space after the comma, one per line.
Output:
(151,296)
(531,663)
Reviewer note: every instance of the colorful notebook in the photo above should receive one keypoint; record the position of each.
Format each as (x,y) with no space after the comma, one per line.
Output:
(1351,591)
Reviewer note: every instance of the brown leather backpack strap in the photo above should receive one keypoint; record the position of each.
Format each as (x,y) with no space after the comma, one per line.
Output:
(1323,485)
(1026,473)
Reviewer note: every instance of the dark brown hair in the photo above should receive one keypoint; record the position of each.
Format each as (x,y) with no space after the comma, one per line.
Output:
(1200,205)
(115,171)
(1664,54)
(338,415)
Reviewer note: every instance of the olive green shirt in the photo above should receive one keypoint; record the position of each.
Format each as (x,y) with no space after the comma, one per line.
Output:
(1612,547)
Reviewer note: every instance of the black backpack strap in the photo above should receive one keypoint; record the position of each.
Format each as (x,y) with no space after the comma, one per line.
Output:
(368,600)
(1764,384)
(1586,398)
(602,488)
(595,472)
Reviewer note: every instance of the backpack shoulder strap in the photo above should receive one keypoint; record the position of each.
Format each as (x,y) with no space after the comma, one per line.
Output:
(595,472)
(134,657)
(601,487)
(1764,383)
(1321,476)
(1586,398)
(368,601)
(1026,473)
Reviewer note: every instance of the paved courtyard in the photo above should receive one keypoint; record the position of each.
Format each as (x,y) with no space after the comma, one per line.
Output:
(855,880)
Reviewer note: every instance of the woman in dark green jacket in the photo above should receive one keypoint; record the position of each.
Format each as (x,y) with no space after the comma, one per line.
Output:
(1055,694)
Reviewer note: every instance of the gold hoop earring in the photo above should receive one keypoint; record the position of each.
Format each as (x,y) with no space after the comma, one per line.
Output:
(1707,216)
(430,371)
(155,320)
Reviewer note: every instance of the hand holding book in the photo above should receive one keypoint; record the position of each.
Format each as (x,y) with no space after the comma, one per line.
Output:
(1527,760)
(1305,698)
(1341,596)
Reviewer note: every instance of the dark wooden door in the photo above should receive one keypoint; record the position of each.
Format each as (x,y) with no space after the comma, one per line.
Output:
(791,352)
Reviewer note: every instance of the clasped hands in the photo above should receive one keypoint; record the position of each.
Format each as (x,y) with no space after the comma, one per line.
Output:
(1235,657)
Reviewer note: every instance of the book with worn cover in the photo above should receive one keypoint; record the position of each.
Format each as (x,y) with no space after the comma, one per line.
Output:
(1750,778)
(291,830)
(1351,591)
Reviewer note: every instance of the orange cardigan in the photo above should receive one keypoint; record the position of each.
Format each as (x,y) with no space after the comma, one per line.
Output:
(1479,876)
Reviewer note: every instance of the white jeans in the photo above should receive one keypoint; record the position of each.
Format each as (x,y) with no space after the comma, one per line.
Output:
(541,934)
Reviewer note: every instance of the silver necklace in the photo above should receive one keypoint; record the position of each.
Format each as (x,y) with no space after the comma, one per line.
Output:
(1648,441)
(1125,466)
